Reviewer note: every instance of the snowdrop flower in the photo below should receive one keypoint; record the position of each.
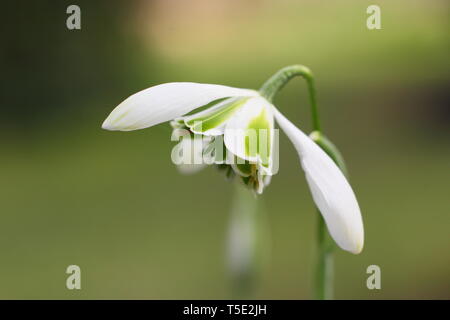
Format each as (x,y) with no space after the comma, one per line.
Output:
(230,115)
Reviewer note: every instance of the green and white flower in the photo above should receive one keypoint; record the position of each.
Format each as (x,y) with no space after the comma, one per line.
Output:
(232,114)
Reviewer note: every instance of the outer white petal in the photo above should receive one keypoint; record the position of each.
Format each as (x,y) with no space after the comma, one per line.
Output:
(236,128)
(330,189)
(165,102)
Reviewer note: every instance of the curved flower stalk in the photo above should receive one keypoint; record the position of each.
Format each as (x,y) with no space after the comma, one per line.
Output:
(231,117)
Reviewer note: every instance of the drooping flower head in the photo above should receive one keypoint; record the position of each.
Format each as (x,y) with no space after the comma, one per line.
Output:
(238,135)
(240,124)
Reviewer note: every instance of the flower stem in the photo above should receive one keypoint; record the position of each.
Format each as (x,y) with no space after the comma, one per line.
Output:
(324,270)
(282,77)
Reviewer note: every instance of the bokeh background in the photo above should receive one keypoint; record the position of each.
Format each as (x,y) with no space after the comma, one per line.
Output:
(114,204)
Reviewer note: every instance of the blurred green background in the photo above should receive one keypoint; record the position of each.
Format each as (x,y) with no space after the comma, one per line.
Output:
(114,204)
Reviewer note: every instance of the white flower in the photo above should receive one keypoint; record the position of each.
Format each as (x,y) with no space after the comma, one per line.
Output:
(233,113)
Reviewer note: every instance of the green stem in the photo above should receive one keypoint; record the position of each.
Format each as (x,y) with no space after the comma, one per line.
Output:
(282,77)
(324,269)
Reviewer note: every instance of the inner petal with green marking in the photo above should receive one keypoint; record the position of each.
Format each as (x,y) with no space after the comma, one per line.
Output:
(216,118)
(248,125)
(258,137)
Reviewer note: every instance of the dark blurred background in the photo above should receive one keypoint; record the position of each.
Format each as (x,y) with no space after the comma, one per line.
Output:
(114,204)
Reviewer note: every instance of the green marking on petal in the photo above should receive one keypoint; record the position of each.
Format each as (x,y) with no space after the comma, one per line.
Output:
(261,126)
(216,118)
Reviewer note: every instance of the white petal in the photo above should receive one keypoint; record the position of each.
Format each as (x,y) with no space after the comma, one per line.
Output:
(330,189)
(249,133)
(165,102)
